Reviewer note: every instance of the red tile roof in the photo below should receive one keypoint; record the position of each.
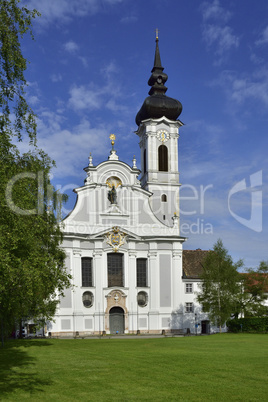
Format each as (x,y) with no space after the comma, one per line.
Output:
(255,280)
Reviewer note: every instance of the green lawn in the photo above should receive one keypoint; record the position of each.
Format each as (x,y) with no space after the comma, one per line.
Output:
(208,368)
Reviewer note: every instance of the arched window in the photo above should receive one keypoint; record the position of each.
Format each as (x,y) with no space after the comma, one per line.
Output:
(163,158)
(163,198)
(88,299)
(87,277)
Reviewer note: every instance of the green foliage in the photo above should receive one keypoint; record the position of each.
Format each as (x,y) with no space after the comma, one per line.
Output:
(32,273)
(249,324)
(220,284)
(250,302)
(15,21)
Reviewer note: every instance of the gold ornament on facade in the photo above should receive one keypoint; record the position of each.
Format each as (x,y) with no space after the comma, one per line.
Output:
(112,138)
(115,238)
(113,181)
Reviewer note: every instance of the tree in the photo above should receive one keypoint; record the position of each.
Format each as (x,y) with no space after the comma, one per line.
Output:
(32,272)
(255,291)
(220,284)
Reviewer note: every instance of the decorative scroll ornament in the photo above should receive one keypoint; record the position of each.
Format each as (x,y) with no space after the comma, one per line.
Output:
(115,238)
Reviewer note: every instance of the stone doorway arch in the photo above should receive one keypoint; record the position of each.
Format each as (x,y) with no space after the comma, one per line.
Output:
(117,320)
(116,299)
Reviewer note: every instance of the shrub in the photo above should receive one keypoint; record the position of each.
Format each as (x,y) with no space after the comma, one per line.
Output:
(250,324)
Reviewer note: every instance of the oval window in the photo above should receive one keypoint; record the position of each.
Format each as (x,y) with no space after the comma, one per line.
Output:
(142,299)
(88,299)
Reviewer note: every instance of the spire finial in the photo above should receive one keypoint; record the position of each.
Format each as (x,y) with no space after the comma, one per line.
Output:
(112,138)
(90,160)
(156,33)
(113,155)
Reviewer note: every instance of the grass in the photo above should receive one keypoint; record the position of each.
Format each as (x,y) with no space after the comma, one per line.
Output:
(209,368)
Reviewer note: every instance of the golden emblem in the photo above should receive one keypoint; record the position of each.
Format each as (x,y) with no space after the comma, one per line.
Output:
(115,238)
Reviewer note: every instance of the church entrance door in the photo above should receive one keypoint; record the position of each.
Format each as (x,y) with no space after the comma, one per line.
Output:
(117,320)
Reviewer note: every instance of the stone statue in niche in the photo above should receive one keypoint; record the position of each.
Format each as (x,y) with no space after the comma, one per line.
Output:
(112,196)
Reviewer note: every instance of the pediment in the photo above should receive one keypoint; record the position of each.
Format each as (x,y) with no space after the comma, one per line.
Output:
(102,234)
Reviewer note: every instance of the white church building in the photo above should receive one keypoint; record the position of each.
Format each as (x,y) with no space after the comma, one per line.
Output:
(122,239)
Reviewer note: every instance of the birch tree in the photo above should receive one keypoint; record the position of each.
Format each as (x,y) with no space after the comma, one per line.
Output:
(221,285)
(32,272)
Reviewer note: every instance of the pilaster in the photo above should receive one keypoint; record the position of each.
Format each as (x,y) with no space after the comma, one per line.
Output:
(154,280)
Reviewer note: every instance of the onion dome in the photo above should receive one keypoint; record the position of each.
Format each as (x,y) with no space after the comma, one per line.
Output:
(158,104)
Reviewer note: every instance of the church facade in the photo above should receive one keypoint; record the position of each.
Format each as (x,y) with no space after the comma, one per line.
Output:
(122,239)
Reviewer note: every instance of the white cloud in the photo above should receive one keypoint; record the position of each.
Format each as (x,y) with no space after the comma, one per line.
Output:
(116,106)
(215,32)
(71,46)
(129,19)
(70,147)
(221,36)
(109,70)
(256,59)
(245,88)
(82,97)
(56,77)
(83,60)
(264,37)
(33,93)
(94,96)
(214,11)
(66,10)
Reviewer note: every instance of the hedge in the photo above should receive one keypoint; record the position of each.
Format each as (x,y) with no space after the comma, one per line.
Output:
(250,324)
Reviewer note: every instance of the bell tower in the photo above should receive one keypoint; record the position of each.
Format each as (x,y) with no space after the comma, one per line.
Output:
(158,130)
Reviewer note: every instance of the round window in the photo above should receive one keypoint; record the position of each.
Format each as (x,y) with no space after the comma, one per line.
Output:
(88,299)
(142,299)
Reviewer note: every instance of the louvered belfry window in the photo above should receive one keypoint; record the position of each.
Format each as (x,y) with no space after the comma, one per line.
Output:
(115,269)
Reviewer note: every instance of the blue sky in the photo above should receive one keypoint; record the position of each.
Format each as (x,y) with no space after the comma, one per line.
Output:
(88,72)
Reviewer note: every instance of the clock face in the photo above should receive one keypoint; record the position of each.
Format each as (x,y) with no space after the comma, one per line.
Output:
(163,135)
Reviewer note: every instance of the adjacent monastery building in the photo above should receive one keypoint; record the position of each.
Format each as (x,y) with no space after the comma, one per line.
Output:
(122,239)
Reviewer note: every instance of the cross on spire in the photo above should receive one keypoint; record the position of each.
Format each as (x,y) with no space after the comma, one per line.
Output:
(156,33)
